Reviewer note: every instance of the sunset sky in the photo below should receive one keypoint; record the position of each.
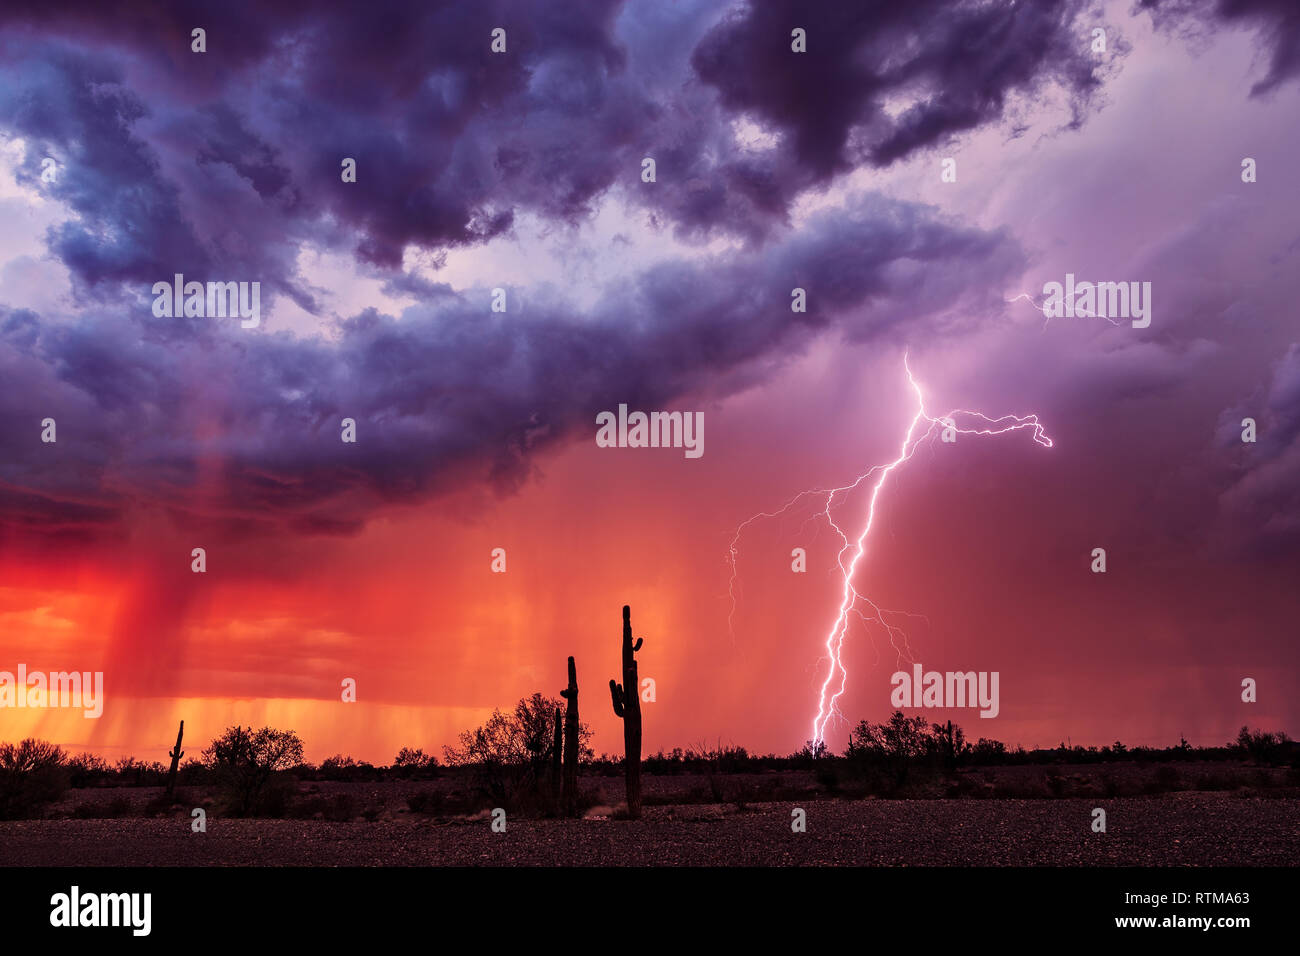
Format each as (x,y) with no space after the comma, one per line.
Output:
(476,430)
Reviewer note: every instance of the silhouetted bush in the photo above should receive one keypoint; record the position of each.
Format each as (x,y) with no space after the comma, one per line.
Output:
(415,765)
(347,770)
(1270,749)
(510,755)
(246,763)
(33,773)
(89,770)
(899,745)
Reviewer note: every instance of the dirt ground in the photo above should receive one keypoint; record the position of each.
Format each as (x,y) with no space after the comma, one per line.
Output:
(1176,829)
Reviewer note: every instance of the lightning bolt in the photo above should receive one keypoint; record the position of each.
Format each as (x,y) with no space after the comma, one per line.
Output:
(1048,318)
(923,427)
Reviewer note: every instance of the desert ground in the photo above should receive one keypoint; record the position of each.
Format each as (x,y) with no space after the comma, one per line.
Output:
(736,820)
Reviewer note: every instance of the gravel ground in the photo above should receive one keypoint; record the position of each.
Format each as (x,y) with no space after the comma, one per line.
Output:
(1173,830)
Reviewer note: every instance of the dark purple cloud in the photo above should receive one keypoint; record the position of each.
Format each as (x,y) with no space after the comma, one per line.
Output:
(225,165)
(448,390)
(1260,506)
(1275,22)
(230,159)
(954,63)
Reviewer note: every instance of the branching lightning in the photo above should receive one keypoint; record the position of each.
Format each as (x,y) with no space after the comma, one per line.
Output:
(922,428)
(1047,316)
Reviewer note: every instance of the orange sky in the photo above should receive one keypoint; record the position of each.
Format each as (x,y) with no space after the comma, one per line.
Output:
(435,640)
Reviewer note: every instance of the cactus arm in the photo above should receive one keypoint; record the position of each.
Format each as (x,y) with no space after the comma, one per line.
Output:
(616,695)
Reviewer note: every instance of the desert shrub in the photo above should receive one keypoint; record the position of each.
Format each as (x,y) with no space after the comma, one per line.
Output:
(665,763)
(988,751)
(347,770)
(947,744)
(193,773)
(88,770)
(1263,747)
(246,763)
(807,756)
(510,755)
(33,773)
(898,746)
(415,764)
(137,773)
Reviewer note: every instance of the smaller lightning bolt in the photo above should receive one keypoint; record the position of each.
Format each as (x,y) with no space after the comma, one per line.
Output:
(1048,316)
(922,427)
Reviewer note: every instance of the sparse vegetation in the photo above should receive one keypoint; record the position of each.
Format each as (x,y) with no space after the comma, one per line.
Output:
(246,762)
(509,761)
(33,773)
(509,756)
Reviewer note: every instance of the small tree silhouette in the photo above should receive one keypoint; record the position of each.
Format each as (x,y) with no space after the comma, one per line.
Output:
(32,773)
(950,744)
(415,763)
(897,743)
(1262,746)
(244,762)
(512,752)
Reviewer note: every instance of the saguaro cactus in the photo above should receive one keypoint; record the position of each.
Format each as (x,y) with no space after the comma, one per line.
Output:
(556,744)
(627,704)
(176,756)
(570,694)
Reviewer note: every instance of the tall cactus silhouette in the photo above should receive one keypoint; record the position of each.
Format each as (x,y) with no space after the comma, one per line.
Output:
(627,704)
(176,756)
(556,745)
(570,694)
